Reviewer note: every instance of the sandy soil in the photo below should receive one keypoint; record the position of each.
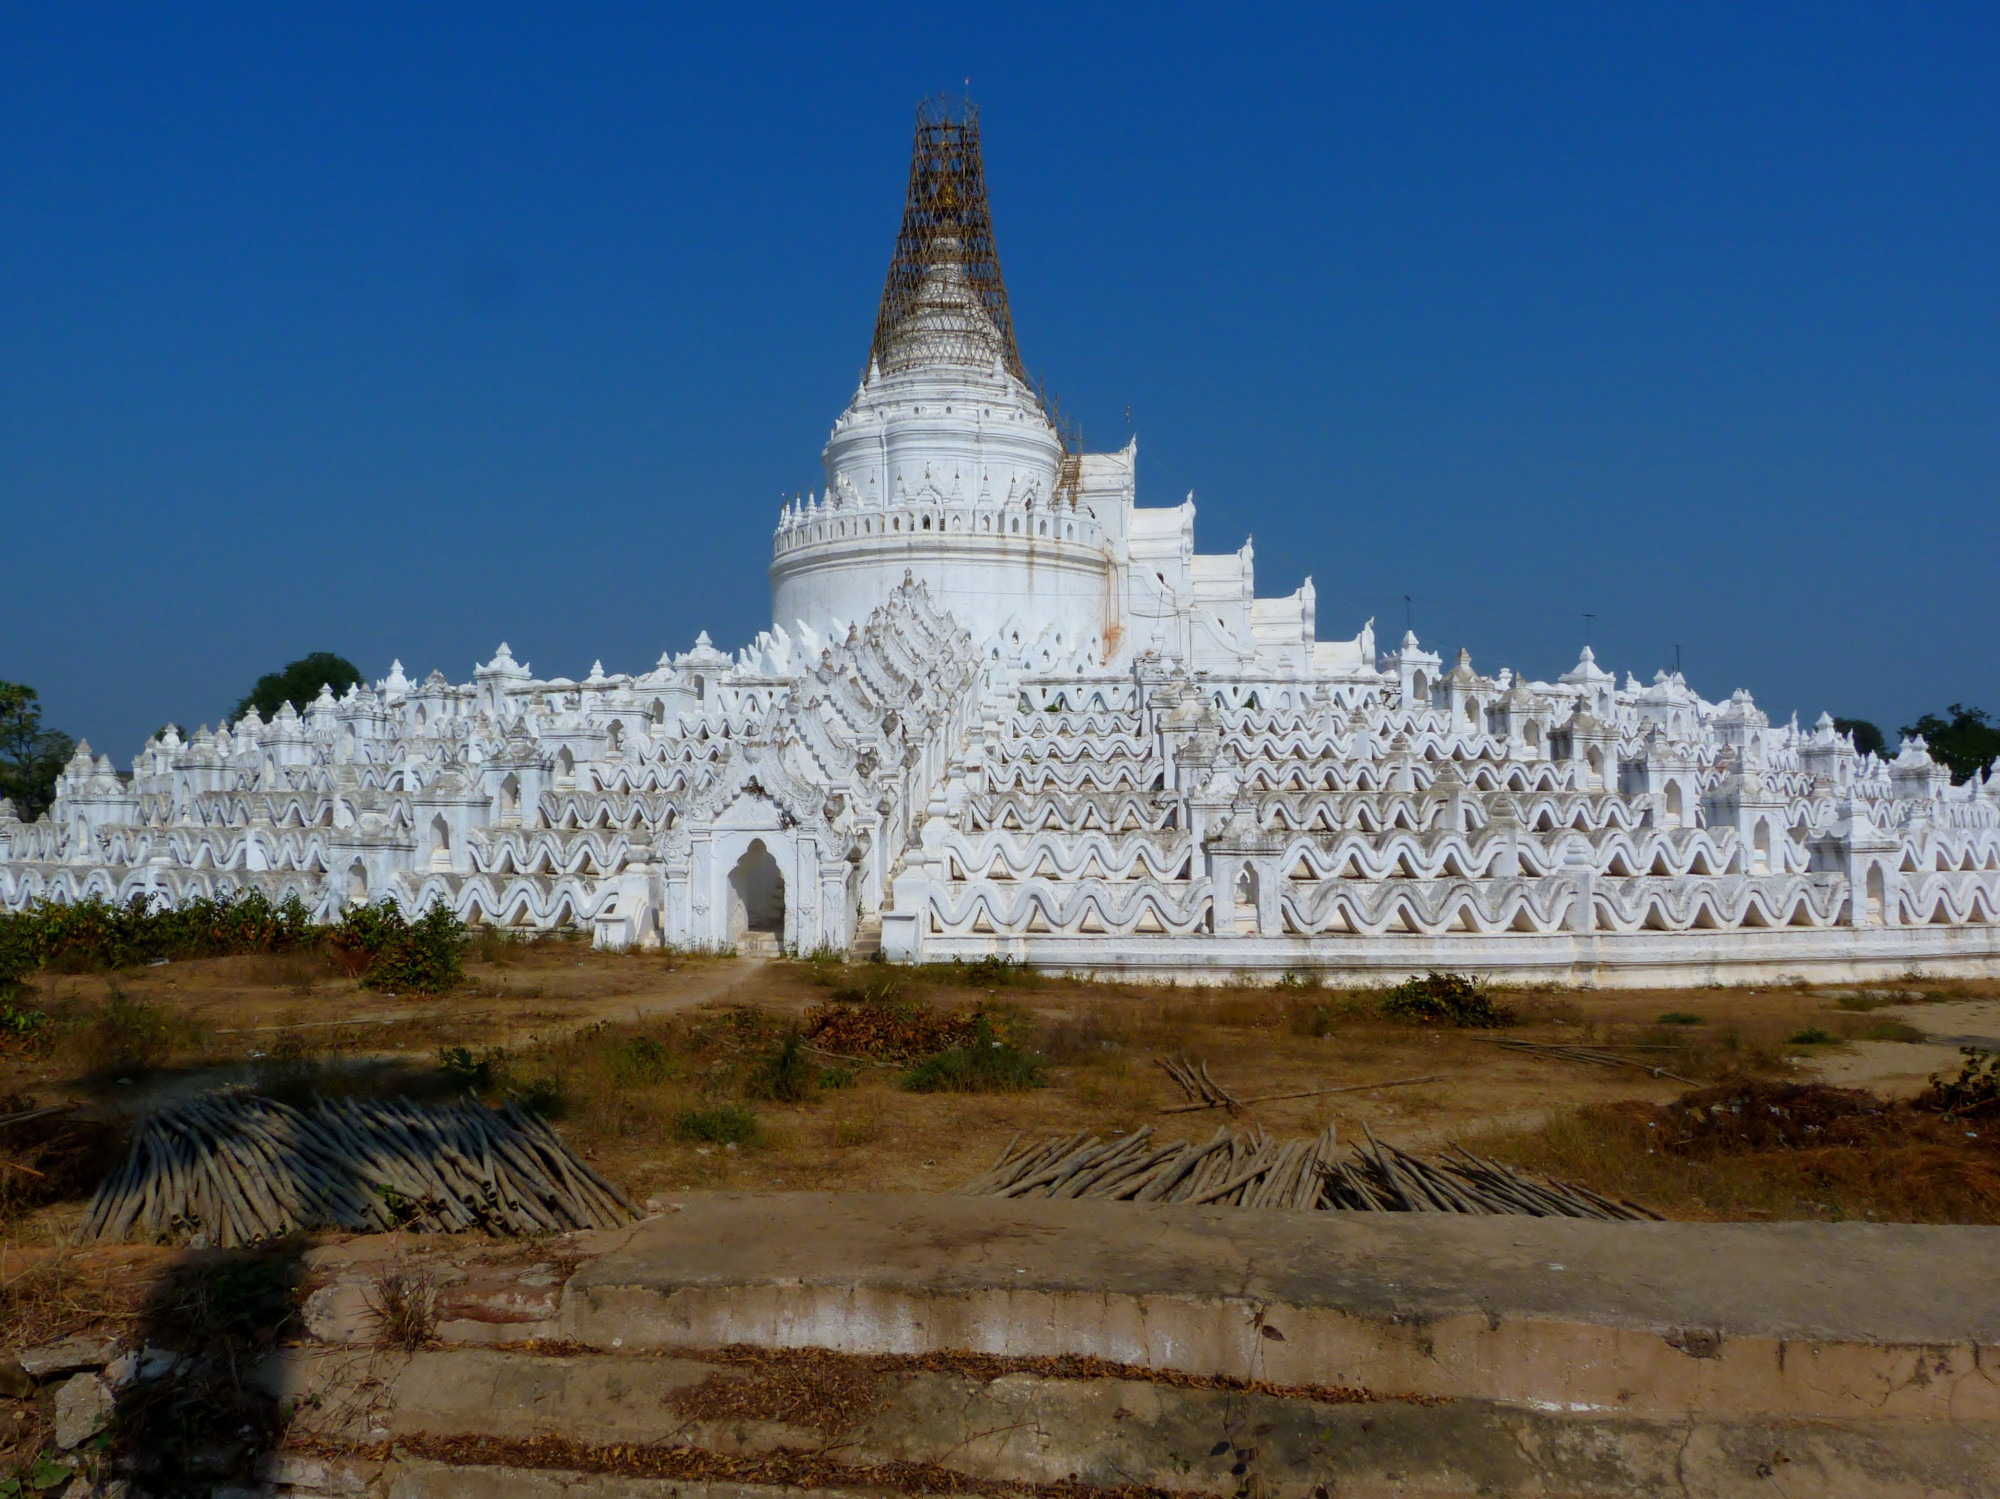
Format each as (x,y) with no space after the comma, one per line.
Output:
(560,1012)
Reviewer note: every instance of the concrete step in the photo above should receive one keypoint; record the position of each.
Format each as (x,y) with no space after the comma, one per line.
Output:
(751,1347)
(458,1420)
(759,945)
(867,944)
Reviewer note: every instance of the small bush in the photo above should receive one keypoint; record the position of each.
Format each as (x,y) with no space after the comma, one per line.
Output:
(130,1035)
(994,971)
(836,1077)
(785,1074)
(1976,1089)
(465,1070)
(545,1096)
(17,1021)
(639,1062)
(983,1064)
(1812,1035)
(724,1124)
(1681,1017)
(880,989)
(426,956)
(94,934)
(1450,997)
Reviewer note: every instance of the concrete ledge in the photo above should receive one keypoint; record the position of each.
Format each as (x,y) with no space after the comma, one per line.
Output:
(1801,1321)
(1606,960)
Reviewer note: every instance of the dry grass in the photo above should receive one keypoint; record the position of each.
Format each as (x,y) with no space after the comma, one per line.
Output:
(621,1046)
(404,1304)
(1876,1161)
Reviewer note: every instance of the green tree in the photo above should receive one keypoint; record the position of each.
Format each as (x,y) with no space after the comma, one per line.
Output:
(299,683)
(1967,741)
(31,757)
(1868,739)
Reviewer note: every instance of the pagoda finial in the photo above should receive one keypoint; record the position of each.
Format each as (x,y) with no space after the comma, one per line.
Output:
(945,302)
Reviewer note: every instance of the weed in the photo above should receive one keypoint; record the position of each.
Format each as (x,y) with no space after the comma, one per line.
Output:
(1864,1001)
(994,971)
(1882,1030)
(1681,1017)
(723,1124)
(784,1075)
(1812,1035)
(404,1306)
(495,945)
(1976,1089)
(130,1035)
(465,1070)
(639,1062)
(879,989)
(836,1077)
(545,1096)
(983,1064)
(1451,997)
(19,1023)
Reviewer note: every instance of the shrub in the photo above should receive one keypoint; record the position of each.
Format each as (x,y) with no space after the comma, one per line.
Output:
(426,956)
(1450,997)
(836,1077)
(129,1035)
(985,1063)
(784,1075)
(477,1073)
(724,1124)
(1681,1017)
(84,935)
(639,1062)
(881,989)
(546,1096)
(1812,1035)
(1976,1089)
(994,971)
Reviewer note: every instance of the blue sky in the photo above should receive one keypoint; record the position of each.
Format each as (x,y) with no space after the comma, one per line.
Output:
(397,331)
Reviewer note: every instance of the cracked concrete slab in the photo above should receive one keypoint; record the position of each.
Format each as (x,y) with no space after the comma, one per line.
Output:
(1803,1320)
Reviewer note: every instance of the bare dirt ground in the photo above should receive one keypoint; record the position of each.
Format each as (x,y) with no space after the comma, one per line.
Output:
(659,1064)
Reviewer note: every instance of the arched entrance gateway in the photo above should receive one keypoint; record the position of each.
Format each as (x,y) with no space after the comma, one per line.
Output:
(756,895)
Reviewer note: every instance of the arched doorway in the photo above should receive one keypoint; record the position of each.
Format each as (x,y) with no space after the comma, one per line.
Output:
(1246,902)
(756,894)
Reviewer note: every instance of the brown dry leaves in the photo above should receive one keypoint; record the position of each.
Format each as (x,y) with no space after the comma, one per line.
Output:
(900,1032)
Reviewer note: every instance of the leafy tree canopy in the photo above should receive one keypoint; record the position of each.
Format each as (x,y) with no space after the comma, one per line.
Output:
(1967,741)
(31,757)
(1868,739)
(299,683)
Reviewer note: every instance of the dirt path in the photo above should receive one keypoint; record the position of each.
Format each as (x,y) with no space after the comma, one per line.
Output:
(1901,1069)
(711,983)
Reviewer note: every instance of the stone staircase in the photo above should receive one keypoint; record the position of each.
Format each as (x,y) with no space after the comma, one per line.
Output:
(760,945)
(867,944)
(740,1346)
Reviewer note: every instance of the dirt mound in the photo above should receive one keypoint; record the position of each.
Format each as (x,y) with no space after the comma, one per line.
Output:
(898,1031)
(1755,1114)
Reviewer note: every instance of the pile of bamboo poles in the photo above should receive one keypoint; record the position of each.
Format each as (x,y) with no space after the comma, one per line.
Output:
(1253,1170)
(233,1168)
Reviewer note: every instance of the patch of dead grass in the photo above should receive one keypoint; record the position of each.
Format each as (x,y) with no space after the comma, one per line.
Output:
(1755,1150)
